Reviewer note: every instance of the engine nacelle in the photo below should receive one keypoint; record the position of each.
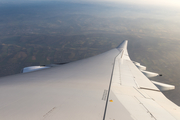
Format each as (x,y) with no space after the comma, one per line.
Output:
(150,74)
(33,68)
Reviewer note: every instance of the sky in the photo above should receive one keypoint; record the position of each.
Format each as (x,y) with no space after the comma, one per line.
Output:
(152,2)
(169,3)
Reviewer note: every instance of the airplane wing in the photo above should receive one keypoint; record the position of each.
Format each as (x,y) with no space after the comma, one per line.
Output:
(108,86)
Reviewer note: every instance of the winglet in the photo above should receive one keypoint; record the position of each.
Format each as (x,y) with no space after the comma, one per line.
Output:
(123,49)
(123,45)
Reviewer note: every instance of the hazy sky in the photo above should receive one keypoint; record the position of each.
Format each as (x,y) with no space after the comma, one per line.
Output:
(170,3)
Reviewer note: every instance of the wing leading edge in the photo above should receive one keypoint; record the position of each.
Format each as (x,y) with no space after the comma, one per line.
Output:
(103,87)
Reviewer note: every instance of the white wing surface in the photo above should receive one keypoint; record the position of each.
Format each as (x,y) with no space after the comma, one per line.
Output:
(104,87)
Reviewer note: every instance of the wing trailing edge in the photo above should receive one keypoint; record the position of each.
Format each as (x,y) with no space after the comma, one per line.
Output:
(136,93)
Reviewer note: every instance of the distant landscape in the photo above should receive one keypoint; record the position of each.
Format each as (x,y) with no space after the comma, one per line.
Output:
(44,33)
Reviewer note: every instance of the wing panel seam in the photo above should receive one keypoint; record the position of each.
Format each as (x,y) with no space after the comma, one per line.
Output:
(104,116)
